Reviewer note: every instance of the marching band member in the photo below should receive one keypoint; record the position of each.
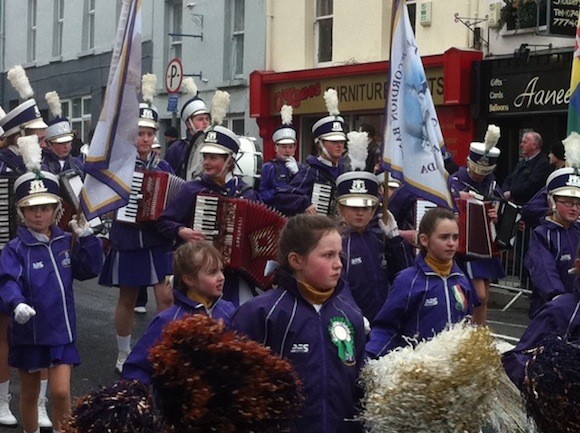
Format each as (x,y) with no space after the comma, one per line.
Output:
(36,274)
(374,252)
(139,255)
(428,296)
(184,155)
(478,179)
(280,171)
(219,152)
(320,172)
(553,243)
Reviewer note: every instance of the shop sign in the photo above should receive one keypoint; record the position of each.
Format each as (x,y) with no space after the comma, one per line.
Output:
(545,91)
(355,93)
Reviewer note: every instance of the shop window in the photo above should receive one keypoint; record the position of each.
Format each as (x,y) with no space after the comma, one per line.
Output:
(32,23)
(78,111)
(236,124)
(323,30)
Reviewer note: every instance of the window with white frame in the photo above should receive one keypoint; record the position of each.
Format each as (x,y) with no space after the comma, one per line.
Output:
(236,124)
(78,111)
(58,28)
(237,46)
(32,23)
(412,8)
(175,14)
(89,25)
(323,30)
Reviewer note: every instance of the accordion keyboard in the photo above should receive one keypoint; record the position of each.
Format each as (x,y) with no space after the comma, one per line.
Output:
(128,213)
(322,197)
(206,213)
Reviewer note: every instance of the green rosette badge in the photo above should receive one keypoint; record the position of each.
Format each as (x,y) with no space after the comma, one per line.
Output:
(342,335)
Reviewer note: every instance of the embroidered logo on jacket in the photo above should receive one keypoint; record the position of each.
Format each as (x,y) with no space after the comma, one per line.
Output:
(66,260)
(565,257)
(300,348)
(431,302)
(356,261)
(38,265)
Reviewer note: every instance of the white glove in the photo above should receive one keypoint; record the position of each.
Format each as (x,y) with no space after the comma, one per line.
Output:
(292,165)
(80,230)
(23,312)
(390,228)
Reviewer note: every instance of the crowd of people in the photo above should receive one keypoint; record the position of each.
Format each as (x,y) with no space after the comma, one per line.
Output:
(348,284)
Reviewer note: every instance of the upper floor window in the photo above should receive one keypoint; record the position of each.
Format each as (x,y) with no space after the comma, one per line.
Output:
(32,22)
(58,27)
(237,47)
(89,25)
(175,15)
(323,30)
(412,8)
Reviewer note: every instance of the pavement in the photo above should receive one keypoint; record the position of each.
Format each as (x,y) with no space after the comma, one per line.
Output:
(97,342)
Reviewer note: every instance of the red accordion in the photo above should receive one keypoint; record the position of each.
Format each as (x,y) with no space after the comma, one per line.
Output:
(476,232)
(151,191)
(245,232)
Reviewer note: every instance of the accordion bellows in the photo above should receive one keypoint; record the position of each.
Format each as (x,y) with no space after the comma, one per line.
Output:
(245,232)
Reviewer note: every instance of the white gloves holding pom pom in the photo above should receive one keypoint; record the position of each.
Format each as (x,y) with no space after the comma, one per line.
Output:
(81,230)
(292,165)
(23,312)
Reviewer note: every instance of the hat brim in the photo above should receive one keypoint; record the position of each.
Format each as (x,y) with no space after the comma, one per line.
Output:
(36,124)
(146,123)
(38,199)
(566,192)
(62,139)
(285,141)
(215,149)
(358,201)
(335,136)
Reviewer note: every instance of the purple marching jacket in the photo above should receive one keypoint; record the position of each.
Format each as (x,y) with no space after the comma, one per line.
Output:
(28,274)
(284,321)
(550,255)
(275,175)
(137,366)
(421,304)
(296,197)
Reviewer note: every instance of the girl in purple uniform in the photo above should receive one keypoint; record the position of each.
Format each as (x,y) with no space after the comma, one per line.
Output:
(198,289)
(36,275)
(312,320)
(428,296)
(477,179)
(139,255)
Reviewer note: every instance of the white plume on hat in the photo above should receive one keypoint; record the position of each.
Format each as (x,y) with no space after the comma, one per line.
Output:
(53,101)
(219,106)
(286,114)
(572,149)
(30,151)
(491,137)
(148,85)
(2,113)
(358,143)
(19,80)
(188,86)
(331,101)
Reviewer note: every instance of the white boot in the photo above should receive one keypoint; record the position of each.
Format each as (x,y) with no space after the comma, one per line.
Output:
(43,419)
(121,358)
(6,416)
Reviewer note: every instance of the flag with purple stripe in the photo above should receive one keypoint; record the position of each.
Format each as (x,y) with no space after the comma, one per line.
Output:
(412,136)
(110,163)
(574,105)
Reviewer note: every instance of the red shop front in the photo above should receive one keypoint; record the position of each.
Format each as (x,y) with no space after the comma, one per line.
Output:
(361,91)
